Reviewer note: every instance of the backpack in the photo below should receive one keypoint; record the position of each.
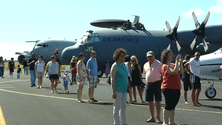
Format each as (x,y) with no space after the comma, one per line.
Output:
(74,71)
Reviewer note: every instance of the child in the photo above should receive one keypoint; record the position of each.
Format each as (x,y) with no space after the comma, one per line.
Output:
(19,70)
(66,81)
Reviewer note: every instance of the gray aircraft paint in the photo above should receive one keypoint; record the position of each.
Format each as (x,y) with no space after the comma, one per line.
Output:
(139,42)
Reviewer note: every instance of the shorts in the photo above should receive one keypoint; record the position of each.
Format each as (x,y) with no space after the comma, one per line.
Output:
(54,77)
(11,70)
(153,89)
(93,82)
(65,83)
(26,68)
(83,82)
(195,80)
(186,83)
(18,74)
(40,74)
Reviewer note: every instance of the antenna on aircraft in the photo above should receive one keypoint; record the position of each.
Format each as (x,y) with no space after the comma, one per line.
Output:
(200,31)
(173,34)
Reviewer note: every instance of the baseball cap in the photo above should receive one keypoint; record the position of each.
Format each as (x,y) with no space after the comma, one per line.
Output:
(65,72)
(150,53)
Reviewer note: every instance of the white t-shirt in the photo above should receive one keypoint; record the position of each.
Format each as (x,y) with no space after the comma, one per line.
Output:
(127,67)
(53,67)
(195,67)
(65,78)
(40,66)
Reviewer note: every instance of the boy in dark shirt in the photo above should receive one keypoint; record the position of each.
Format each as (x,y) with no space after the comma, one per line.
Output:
(11,66)
(19,70)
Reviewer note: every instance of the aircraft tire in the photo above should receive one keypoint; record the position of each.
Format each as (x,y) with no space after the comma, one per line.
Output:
(210,93)
(100,73)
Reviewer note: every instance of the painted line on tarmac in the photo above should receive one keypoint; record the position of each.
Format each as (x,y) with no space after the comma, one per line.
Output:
(2,119)
(72,99)
(13,81)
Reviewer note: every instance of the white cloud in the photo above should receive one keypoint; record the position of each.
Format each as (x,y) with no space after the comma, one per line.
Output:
(216,8)
(8,50)
(197,12)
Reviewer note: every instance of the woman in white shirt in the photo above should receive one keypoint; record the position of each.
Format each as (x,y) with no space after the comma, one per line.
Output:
(40,68)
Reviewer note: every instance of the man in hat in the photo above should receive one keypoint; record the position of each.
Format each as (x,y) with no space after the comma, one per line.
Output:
(152,71)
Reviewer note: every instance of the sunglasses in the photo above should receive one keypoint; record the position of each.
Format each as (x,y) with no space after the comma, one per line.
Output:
(93,53)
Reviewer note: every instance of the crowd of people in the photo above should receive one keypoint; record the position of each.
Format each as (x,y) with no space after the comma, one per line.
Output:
(125,77)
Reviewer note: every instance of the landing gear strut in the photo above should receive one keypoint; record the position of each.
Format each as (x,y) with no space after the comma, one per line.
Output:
(210,91)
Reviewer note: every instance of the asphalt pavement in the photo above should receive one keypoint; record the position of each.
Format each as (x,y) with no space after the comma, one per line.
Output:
(25,105)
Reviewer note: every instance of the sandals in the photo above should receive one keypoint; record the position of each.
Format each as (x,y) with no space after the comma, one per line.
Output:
(80,101)
(151,120)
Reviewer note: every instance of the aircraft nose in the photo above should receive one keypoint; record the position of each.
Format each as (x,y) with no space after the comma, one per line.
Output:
(68,52)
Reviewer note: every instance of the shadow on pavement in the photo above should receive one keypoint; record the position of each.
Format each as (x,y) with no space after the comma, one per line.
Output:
(51,88)
(211,106)
(102,103)
(214,99)
(67,93)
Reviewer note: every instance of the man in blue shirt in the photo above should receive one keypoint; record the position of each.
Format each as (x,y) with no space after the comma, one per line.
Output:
(91,70)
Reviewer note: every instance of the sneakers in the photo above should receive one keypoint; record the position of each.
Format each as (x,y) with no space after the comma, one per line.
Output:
(41,87)
(38,87)
(32,86)
(52,91)
(67,91)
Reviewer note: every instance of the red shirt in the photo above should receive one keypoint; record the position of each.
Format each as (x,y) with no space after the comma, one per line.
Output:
(170,81)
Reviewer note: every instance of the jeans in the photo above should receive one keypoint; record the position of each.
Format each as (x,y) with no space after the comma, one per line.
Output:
(1,71)
(33,76)
(120,108)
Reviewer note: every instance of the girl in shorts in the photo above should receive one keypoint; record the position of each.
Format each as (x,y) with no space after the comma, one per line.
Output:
(54,73)
(80,76)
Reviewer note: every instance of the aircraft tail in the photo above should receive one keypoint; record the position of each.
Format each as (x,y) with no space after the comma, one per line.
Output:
(137,18)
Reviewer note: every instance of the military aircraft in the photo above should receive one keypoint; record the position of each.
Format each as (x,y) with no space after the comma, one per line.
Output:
(209,69)
(46,48)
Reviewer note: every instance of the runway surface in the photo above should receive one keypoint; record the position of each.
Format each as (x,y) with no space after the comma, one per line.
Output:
(24,105)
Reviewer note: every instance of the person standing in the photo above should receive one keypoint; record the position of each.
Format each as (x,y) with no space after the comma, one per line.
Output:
(152,71)
(25,66)
(32,71)
(11,66)
(186,79)
(53,69)
(136,78)
(107,70)
(73,67)
(128,67)
(40,68)
(80,76)
(58,60)
(171,84)
(91,71)
(2,66)
(194,71)
(66,81)
(119,83)
(19,71)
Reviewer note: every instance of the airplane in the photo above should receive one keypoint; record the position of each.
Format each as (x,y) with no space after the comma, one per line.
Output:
(138,42)
(46,48)
(209,69)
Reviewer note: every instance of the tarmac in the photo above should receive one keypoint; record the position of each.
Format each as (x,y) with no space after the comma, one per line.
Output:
(24,105)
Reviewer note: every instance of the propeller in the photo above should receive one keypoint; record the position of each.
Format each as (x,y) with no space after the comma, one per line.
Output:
(200,31)
(173,34)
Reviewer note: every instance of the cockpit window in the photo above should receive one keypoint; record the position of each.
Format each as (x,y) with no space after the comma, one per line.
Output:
(90,37)
(39,44)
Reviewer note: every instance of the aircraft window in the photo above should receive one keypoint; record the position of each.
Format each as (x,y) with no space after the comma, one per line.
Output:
(45,45)
(39,44)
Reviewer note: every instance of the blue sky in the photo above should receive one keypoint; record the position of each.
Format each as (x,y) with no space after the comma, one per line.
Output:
(23,20)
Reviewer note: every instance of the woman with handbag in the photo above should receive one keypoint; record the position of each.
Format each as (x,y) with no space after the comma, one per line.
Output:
(136,79)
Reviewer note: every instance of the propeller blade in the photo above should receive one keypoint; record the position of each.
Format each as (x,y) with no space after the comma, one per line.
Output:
(205,45)
(193,43)
(177,44)
(206,18)
(168,27)
(197,24)
(177,23)
(168,47)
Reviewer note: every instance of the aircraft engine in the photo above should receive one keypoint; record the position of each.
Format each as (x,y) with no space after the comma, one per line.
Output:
(200,31)
(22,56)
